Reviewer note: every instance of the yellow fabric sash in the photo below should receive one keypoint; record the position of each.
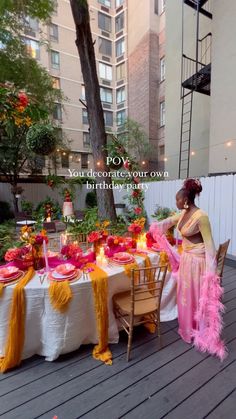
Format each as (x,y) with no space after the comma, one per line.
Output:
(60,295)
(1,288)
(100,292)
(16,327)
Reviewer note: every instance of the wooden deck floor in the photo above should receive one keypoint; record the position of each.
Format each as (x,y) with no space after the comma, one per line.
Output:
(174,382)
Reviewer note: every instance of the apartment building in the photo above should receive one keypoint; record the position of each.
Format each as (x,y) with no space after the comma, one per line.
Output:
(200,134)
(129,38)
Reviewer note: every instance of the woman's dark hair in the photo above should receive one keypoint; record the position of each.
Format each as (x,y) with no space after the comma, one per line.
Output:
(191,188)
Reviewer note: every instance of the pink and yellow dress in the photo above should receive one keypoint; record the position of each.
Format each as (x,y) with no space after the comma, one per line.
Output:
(198,287)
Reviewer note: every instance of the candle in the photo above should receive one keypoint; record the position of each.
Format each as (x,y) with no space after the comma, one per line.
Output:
(45,255)
(48,219)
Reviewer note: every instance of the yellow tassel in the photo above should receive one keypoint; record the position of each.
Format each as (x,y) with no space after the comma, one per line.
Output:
(16,328)
(60,295)
(164,260)
(1,288)
(100,291)
(128,268)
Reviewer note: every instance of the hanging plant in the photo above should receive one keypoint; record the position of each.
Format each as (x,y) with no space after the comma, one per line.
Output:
(41,139)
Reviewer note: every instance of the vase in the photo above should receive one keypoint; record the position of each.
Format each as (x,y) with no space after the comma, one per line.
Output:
(134,240)
(97,245)
(38,259)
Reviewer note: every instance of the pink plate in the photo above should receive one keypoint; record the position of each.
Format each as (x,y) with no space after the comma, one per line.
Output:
(122,257)
(65,269)
(8,272)
(77,274)
(12,278)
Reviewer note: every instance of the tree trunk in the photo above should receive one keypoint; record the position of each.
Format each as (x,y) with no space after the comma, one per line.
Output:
(84,42)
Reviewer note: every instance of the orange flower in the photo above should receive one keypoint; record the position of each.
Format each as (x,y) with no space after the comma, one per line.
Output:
(28,121)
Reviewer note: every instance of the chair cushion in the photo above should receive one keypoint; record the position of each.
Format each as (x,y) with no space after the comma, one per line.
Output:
(142,307)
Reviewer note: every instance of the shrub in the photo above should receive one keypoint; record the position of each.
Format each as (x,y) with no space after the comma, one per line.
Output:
(91,199)
(5,211)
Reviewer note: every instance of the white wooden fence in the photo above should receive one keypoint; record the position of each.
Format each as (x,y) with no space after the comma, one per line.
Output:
(218,199)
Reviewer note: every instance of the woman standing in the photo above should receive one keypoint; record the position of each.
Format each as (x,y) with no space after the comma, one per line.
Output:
(198,287)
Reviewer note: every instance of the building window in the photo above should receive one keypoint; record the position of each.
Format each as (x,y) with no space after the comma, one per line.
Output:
(56,83)
(65,160)
(55,59)
(106,95)
(105,71)
(120,47)
(162,68)
(86,140)
(162,114)
(84,161)
(105,46)
(120,22)
(156,6)
(121,117)
(119,3)
(104,22)
(32,48)
(162,6)
(120,71)
(85,116)
(57,112)
(108,118)
(83,93)
(31,25)
(106,3)
(75,157)
(120,95)
(53,32)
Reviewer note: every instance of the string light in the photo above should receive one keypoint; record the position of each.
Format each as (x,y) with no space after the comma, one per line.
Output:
(193,153)
(204,148)
(88,161)
(229,143)
(165,159)
(143,162)
(98,163)
(64,153)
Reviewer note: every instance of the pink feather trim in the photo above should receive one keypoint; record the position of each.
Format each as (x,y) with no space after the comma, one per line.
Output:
(209,318)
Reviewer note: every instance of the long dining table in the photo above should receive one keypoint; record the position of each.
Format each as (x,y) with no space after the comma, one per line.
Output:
(50,333)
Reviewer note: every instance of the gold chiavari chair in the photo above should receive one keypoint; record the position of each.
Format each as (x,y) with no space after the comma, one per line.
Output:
(141,304)
(220,257)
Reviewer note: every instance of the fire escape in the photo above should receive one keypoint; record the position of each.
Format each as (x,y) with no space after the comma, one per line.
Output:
(195,77)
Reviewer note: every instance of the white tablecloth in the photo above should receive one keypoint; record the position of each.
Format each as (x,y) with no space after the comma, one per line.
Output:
(50,333)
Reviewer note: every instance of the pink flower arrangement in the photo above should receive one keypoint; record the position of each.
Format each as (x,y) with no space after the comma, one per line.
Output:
(93,236)
(71,250)
(16,253)
(40,238)
(136,179)
(138,210)
(134,228)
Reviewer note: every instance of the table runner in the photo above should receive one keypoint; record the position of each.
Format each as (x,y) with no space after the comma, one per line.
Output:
(16,326)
